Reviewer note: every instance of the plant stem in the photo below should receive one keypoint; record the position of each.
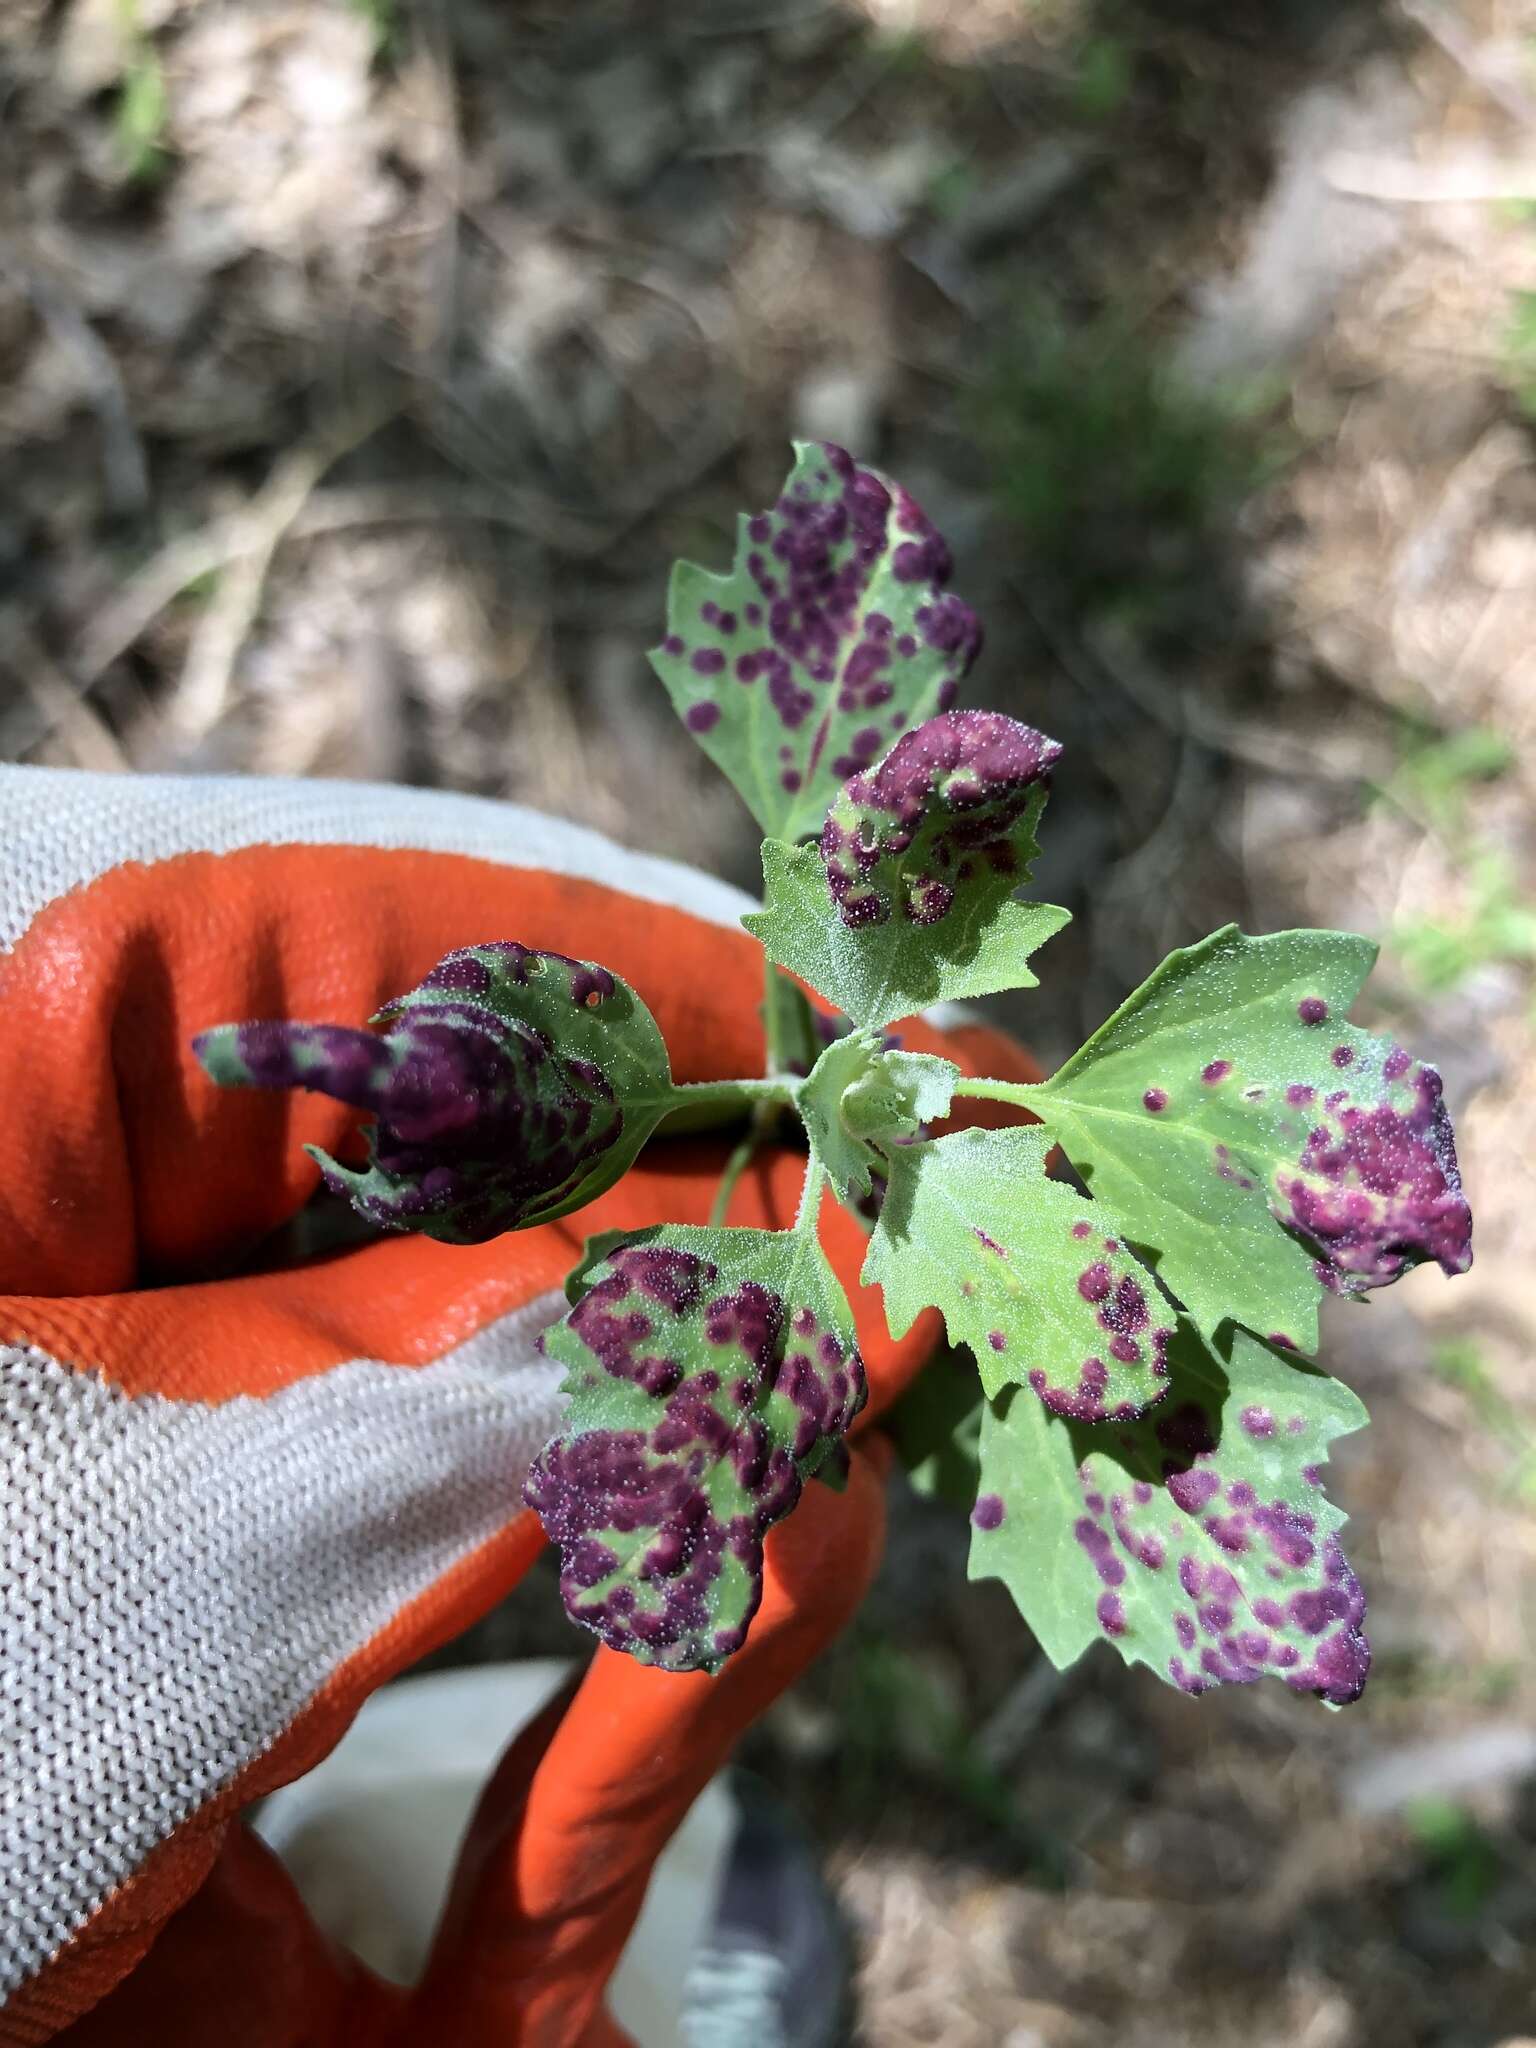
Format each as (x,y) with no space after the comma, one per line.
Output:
(810,1196)
(773,1051)
(696,1095)
(1022,1092)
(735,1167)
(788,1030)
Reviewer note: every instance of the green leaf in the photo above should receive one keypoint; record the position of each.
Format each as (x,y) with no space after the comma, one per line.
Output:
(710,1373)
(1106,75)
(594,1251)
(1226,1096)
(831,634)
(908,897)
(1197,1540)
(1034,1278)
(509,1088)
(142,113)
(936,1428)
(861,1097)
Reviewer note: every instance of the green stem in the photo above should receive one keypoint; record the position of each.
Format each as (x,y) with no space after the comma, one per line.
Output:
(788,1031)
(773,1051)
(810,1196)
(735,1167)
(1023,1092)
(694,1095)
(707,1105)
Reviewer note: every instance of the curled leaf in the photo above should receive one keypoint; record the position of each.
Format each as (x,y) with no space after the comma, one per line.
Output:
(710,1373)
(510,1086)
(1376,1185)
(939,811)
(1197,1540)
(832,633)
(908,896)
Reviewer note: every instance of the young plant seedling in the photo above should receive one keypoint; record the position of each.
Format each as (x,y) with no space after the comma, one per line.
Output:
(1148,1464)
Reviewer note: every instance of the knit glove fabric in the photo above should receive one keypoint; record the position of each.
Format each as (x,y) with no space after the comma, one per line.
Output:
(239,1490)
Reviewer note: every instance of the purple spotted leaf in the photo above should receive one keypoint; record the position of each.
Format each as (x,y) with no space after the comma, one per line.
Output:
(510,1087)
(909,897)
(862,1098)
(832,633)
(1034,1278)
(1260,1148)
(710,1373)
(1197,1540)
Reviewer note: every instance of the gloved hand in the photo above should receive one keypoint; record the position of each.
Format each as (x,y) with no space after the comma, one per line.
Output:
(239,1494)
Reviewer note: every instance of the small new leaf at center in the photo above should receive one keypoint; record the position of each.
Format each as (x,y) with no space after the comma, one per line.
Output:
(861,1099)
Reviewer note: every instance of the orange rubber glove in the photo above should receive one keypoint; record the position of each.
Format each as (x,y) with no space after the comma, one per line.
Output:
(234,1505)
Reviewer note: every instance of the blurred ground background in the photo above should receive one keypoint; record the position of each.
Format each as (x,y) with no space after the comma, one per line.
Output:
(363,367)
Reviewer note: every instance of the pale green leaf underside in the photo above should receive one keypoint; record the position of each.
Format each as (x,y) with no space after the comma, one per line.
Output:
(1232,999)
(1035,1279)
(1205,1583)
(876,973)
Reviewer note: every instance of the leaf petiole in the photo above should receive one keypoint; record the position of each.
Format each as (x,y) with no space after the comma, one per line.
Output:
(706,1105)
(735,1094)
(810,1195)
(764,1116)
(741,1158)
(1024,1093)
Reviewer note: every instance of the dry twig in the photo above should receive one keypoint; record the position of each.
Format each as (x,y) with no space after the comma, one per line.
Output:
(202,693)
(122,453)
(61,703)
(1455,178)
(1443,29)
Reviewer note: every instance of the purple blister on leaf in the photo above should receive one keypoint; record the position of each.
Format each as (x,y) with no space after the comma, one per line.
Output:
(1197,1539)
(1126,1370)
(1238,1050)
(1035,1279)
(508,1083)
(911,895)
(1376,1185)
(710,1373)
(939,811)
